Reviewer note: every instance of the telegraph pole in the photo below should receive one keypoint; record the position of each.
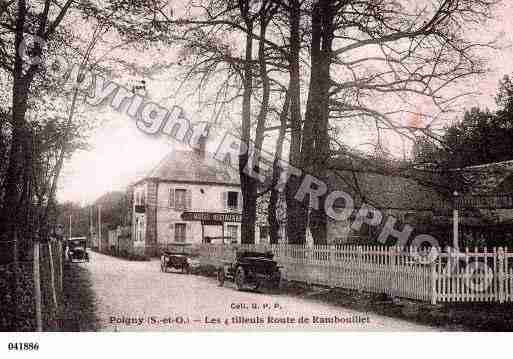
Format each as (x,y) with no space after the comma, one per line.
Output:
(70,226)
(91,225)
(455,221)
(100,228)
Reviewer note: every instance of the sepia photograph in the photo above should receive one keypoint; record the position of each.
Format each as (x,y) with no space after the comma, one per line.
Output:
(255,165)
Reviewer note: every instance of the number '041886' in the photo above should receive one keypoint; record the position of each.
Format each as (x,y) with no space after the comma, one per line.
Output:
(20,346)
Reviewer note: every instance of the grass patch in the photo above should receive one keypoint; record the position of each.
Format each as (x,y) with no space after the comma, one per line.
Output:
(79,310)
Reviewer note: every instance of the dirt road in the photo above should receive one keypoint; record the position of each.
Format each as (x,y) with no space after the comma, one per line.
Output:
(137,296)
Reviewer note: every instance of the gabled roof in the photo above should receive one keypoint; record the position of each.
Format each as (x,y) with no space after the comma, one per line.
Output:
(388,191)
(190,166)
(385,185)
(389,187)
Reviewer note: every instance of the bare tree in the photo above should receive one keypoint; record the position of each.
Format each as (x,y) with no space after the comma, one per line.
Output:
(378,57)
(19,24)
(358,62)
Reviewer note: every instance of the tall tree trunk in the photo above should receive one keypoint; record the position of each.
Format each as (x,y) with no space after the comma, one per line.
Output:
(247,183)
(25,224)
(274,224)
(313,104)
(13,176)
(321,152)
(3,149)
(266,88)
(296,212)
(9,215)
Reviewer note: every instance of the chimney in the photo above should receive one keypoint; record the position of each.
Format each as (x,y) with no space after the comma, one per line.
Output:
(201,144)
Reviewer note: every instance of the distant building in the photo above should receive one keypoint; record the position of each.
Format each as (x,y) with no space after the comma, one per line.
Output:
(424,199)
(405,196)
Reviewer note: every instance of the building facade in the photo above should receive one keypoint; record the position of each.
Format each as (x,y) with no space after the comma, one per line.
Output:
(189,197)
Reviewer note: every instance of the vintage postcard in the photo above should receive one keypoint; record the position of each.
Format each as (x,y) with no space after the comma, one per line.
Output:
(255,165)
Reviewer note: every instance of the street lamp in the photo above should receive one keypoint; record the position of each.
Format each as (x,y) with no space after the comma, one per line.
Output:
(455,220)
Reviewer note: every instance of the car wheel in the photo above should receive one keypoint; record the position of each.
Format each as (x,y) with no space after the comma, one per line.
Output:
(220,276)
(240,278)
(276,283)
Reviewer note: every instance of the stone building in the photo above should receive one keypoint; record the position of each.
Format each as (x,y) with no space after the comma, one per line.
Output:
(189,197)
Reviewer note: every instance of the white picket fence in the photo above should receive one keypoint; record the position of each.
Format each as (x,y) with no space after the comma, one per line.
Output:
(477,275)
(474,276)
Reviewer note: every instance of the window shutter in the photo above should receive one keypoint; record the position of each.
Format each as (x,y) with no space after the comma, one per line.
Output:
(239,201)
(172,197)
(188,199)
(224,200)
(171,232)
(188,233)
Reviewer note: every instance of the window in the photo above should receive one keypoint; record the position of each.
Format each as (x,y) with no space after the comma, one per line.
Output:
(140,198)
(180,198)
(180,232)
(139,229)
(136,229)
(264,232)
(233,199)
(233,232)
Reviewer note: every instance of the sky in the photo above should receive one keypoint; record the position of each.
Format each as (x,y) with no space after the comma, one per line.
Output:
(120,152)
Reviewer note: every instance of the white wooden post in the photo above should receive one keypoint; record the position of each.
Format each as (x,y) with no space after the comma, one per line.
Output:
(501,274)
(432,265)
(61,266)
(37,287)
(455,221)
(360,266)
(331,264)
(52,275)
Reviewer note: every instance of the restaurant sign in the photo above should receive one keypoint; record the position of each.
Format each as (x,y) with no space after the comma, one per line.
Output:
(211,217)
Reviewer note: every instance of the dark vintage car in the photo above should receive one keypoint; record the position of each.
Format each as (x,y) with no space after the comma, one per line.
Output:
(251,270)
(77,249)
(177,260)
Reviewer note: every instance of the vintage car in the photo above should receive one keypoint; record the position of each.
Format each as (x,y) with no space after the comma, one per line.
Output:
(250,270)
(179,261)
(76,249)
